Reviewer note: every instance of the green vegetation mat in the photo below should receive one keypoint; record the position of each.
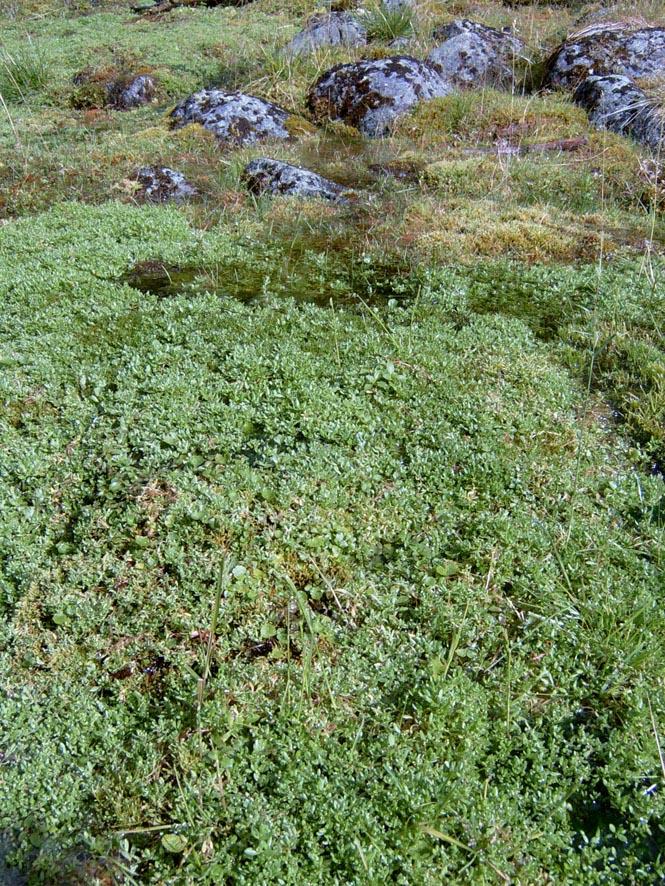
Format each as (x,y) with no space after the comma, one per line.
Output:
(439,626)
(331,537)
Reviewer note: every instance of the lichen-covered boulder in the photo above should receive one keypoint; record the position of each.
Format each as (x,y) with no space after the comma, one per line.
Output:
(159,184)
(607,48)
(136,92)
(474,55)
(233,117)
(329,29)
(109,88)
(266,176)
(372,94)
(614,102)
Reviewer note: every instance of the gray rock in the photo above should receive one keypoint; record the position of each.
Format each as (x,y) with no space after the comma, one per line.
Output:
(607,48)
(394,5)
(614,102)
(266,176)
(372,94)
(329,29)
(160,184)
(234,117)
(474,55)
(126,95)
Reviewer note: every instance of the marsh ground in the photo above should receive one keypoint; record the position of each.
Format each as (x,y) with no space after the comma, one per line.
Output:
(340,557)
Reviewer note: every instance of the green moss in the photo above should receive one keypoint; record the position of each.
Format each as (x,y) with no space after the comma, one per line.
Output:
(90,95)
(556,180)
(298,126)
(490,114)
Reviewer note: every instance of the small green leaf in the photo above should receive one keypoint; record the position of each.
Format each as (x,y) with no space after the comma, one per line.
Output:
(447,568)
(174,843)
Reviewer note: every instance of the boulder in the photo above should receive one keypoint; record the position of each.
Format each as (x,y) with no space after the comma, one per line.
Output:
(329,29)
(372,94)
(474,55)
(234,117)
(607,48)
(266,176)
(160,184)
(614,102)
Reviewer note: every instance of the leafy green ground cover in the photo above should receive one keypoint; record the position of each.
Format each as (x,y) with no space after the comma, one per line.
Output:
(343,561)
(442,615)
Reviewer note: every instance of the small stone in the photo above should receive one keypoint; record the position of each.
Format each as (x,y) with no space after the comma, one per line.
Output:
(400,43)
(160,184)
(110,89)
(372,94)
(329,29)
(266,176)
(472,55)
(614,102)
(234,117)
(127,95)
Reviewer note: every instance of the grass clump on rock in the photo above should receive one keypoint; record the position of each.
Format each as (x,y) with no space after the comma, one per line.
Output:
(387,22)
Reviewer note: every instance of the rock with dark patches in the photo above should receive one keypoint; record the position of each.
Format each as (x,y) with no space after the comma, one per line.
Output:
(614,102)
(234,117)
(132,94)
(160,184)
(474,55)
(329,29)
(372,94)
(607,48)
(266,176)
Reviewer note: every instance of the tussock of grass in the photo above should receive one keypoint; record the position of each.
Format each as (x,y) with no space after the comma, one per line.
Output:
(23,73)
(386,24)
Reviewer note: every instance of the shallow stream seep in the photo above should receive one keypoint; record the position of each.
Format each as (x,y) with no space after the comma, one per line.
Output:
(360,283)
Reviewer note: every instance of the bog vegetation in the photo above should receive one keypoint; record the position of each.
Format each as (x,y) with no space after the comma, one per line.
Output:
(331,537)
